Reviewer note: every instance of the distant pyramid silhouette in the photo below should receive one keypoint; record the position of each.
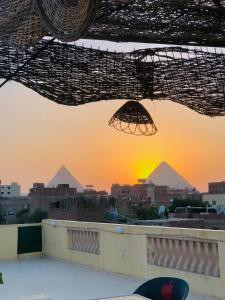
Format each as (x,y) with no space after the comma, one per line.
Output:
(63,176)
(164,174)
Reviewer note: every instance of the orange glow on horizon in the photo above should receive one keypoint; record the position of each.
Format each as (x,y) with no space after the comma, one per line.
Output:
(39,136)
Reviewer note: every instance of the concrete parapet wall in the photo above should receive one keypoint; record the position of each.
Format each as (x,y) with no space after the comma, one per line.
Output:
(9,240)
(195,255)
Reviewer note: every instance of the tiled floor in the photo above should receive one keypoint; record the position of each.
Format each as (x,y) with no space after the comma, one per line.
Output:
(50,279)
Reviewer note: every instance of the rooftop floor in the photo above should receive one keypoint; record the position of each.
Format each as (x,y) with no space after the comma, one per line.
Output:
(51,279)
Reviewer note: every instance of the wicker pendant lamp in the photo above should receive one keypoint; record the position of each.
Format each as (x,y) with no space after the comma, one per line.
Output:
(66,20)
(133,118)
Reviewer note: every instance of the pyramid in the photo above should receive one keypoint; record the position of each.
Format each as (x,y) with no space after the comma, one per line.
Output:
(63,176)
(164,174)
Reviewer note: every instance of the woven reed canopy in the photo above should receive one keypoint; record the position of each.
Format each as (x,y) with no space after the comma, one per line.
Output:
(24,22)
(72,75)
(20,23)
(200,22)
(178,22)
(66,20)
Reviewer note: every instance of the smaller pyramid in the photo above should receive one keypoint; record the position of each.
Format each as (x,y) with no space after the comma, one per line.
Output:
(164,174)
(63,176)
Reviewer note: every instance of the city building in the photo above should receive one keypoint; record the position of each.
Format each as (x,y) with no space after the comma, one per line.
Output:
(10,206)
(162,186)
(62,190)
(164,195)
(41,196)
(128,197)
(84,207)
(63,202)
(11,190)
(216,195)
(214,199)
(216,187)
(136,192)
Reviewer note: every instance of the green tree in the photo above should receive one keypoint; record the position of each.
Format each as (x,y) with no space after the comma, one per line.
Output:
(38,215)
(26,216)
(152,213)
(22,212)
(149,213)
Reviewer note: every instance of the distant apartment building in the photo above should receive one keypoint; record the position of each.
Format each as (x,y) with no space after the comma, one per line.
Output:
(91,193)
(136,192)
(145,194)
(214,199)
(10,206)
(8,191)
(91,206)
(164,195)
(216,187)
(63,190)
(216,194)
(41,196)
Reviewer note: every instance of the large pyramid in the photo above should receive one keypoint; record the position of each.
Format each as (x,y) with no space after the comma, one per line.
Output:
(63,176)
(164,174)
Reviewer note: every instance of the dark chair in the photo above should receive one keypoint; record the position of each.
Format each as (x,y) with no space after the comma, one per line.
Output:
(164,288)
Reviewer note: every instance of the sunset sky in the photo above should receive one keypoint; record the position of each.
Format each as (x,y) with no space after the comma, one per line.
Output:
(37,136)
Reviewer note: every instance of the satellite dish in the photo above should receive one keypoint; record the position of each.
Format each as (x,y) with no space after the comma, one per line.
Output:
(162,210)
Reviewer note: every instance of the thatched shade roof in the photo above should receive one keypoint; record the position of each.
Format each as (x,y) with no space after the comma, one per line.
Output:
(73,75)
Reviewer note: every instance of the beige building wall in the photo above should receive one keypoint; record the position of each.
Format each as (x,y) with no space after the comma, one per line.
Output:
(126,253)
(218,198)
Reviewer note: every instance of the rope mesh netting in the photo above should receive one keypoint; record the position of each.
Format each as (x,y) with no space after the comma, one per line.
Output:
(24,22)
(175,22)
(66,20)
(20,23)
(74,75)
(202,22)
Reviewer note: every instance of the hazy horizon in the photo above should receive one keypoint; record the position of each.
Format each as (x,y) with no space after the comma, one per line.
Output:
(38,136)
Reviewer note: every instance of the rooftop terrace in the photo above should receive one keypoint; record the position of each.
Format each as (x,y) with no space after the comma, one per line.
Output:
(53,279)
(63,260)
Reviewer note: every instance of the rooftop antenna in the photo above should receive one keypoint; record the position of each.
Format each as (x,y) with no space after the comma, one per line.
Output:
(142,180)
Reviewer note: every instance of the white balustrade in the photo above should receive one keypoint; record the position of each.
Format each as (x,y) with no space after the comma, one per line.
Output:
(84,240)
(189,255)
